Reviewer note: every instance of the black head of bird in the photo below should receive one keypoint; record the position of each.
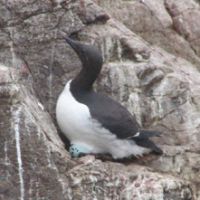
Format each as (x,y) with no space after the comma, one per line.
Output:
(89,55)
(92,61)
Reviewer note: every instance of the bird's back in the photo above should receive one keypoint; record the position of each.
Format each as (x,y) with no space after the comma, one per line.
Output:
(112,115)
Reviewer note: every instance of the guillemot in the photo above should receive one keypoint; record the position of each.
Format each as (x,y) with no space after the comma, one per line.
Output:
(95,123)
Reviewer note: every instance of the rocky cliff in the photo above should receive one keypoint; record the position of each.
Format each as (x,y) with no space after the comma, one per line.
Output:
(151,65)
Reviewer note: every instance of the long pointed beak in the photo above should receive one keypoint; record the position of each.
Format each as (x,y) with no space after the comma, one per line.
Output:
(74,44)
(70,41)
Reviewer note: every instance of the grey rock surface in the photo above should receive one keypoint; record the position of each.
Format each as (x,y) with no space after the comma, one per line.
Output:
(164,23)
(149,66)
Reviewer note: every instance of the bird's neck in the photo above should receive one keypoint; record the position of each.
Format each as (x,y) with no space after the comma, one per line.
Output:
(85,79)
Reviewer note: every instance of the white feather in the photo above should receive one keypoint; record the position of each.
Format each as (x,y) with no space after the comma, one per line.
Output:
(79,127)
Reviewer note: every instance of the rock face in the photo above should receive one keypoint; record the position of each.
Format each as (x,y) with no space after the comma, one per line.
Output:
(164,23)
(151,56)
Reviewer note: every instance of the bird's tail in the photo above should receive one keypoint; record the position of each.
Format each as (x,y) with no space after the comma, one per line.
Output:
(142,139)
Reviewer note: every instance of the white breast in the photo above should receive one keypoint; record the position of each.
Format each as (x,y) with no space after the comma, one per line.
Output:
(75,121)
(73,117)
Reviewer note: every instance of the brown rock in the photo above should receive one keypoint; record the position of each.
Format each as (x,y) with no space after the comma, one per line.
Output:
(155,21)
(160,88)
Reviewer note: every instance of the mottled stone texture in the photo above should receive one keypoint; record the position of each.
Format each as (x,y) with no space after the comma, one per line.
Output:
(170,24)
(151,54)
